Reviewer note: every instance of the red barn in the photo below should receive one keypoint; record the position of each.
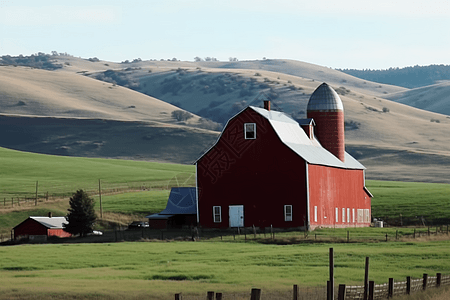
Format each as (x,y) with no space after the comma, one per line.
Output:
(267,169)
(41,228)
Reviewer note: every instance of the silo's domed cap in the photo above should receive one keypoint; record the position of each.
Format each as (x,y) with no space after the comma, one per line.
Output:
(325,98)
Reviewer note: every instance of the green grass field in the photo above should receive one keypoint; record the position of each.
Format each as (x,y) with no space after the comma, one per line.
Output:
(411,199)
(63,175)
(129,270)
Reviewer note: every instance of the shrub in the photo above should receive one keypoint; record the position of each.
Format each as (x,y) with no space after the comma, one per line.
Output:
(385,110)
(181,115)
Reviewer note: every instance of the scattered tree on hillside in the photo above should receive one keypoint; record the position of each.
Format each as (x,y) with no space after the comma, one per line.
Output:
(198,58)
(233,59)
(39,61)
(181,115)
(81,216)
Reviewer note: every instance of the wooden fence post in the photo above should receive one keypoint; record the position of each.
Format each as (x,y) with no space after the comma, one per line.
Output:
(391,288)
(425,281)
(396,235)
(366,279)
(348,236)
(371,289)
(438,279)
(341,294)
(178,296)
(218,296)
(428,230)
(414,233)
(210,296)
(330,292)
(256,294)
(408,285)
(295,294)
(36,200)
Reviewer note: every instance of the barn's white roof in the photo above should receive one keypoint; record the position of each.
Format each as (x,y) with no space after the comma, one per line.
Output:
(294,137)
(53,222)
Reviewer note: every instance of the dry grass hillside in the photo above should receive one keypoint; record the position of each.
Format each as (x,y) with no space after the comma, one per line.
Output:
(434,97)
(394,141)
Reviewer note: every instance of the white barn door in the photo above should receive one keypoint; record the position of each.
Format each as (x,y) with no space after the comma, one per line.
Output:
(236,213)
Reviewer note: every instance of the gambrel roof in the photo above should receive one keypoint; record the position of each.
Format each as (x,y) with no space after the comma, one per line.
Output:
(295,138)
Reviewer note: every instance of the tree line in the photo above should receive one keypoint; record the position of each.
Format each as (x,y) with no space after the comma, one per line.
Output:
(409,77)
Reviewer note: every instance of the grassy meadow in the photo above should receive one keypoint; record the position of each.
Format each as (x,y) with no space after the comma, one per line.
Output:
(411,200)
(159,269)
(62,175)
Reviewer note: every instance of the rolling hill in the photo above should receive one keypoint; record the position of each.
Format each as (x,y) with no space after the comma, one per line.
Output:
(81,110)
(435,98)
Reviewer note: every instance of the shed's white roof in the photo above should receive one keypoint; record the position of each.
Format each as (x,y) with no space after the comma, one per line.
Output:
(294,137)
(54,222)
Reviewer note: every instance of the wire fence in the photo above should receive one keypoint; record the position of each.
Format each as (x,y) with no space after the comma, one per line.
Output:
(41,192)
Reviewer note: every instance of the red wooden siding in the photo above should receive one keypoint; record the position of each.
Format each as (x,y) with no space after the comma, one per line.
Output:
(261,174)
(29,227)
(58,232)
(332,188)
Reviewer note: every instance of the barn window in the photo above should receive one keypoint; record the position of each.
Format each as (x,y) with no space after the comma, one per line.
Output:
(250,131)
(217,214)
(315,213)
(348,215)
(343,215)
(337,214)
(353,215)
(360,215)
(288,212)
(366,216)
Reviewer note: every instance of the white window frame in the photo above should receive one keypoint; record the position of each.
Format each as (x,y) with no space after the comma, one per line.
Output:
(366,215)
(343,215)
(348,215)
(254,131)
(315,213)
(287,215)
(360,215)
(353,215)
(337,214)
(217,214)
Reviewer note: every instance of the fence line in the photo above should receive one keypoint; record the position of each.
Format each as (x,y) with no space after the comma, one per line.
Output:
(9,200)
(376,291)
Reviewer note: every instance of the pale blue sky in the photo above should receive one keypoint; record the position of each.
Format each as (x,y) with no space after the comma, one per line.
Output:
(333,33)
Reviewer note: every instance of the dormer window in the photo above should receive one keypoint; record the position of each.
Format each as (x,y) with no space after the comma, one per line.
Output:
(250,131)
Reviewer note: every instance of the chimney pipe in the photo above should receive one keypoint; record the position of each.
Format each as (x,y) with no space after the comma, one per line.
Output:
(267,105)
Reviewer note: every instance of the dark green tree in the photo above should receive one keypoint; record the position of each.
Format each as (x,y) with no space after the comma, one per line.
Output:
(81,216)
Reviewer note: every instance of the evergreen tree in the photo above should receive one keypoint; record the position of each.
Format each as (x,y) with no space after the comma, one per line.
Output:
(81,216)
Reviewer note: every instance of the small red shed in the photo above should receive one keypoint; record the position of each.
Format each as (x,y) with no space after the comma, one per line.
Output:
(268,169)
(40,228)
